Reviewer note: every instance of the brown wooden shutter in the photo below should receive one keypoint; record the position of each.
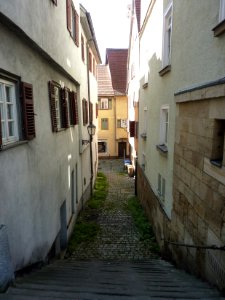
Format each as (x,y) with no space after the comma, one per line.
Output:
(132,128)
(69,15)
(52,106)
(83,111)
(64,106)
(28,110)
(86,111)
(77,21)
(91,112)
(74,108)
(96,107)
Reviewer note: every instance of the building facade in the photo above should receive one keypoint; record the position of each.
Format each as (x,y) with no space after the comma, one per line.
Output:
(181,109)
(112,105)
(44,101)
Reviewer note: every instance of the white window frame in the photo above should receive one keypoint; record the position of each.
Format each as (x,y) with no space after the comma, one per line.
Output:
(58,107)
(164,125)
(5,120)
(104,103)
(167,33)
(161,187)
(222,11)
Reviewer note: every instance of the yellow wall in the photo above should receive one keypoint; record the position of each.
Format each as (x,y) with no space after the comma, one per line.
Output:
(113,135)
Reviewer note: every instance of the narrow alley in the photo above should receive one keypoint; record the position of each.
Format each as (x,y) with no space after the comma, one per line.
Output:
(117,265)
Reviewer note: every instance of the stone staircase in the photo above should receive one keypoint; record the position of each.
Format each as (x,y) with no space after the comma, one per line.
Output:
(107,280)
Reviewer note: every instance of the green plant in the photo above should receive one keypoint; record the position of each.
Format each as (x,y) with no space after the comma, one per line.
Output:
(142,224)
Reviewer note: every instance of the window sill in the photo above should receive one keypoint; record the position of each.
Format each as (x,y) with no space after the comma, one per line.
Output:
(165,70)
(214,171)
(162,148)
(216,162)
(219,29)
(13,145)
(145,85)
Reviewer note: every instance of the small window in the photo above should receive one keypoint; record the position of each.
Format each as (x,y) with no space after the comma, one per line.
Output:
(102,147)
(161,187)
(167,32)
(82,49)
(85,111)
(72,21)
(164,125)
(132,128)
(218,143)
(16,120)
(55,2)
(121,123)
(105,103)
(104,124)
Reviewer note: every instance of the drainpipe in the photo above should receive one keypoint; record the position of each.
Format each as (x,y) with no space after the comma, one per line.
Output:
(89,104)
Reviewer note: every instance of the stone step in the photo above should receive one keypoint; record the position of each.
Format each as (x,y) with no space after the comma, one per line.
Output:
(98,280)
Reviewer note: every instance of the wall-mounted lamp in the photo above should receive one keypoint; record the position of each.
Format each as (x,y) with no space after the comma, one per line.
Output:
(91,131)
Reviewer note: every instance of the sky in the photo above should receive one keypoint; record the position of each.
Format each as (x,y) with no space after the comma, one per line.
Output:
(111,23)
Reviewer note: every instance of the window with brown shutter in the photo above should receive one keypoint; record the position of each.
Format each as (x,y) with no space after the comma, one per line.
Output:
(52,96)
(96,108)
(91,112)
(74,120)
(65,107)
(28,110)
(73,21)
(82,48)
(85,111)
(132,128)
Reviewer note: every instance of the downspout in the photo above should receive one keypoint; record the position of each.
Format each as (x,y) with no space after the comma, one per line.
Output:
(89,105)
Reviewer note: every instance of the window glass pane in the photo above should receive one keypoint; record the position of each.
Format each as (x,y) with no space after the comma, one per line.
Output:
(11,128)
(10,111)
(8,94)
(1,93)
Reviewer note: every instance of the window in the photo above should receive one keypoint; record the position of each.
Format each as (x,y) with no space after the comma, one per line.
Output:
(104,124)
(164,124)
(132,128)
(63,106)
(13,125)
(82,48)
(167,31)
(102,147)
(105,103)
(218,143)
(96,108)
(161,187)
(85,111)
(72,21)
(222,11)
(121,123)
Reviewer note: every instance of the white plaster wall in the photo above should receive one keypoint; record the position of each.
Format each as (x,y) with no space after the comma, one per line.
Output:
(46,25)
(34,176)
(197,57)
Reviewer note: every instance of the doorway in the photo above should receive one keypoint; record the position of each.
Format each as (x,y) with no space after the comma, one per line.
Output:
(122,149)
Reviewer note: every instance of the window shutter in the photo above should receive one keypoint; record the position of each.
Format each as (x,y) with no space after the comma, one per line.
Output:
(74,108)
(83,111)
(77,21)
(64,105)
(52,106)
(132,128)
(91,112)
(86,111)
(69,15)
(28,110)
(96,110)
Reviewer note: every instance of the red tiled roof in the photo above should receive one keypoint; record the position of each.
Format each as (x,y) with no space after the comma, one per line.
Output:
(117,61)
(104,81)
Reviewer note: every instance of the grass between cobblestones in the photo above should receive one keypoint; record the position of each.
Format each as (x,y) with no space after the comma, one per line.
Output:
(144,227)
(86,228)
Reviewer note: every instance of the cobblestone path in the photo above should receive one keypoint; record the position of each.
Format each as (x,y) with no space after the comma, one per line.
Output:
(118,238)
